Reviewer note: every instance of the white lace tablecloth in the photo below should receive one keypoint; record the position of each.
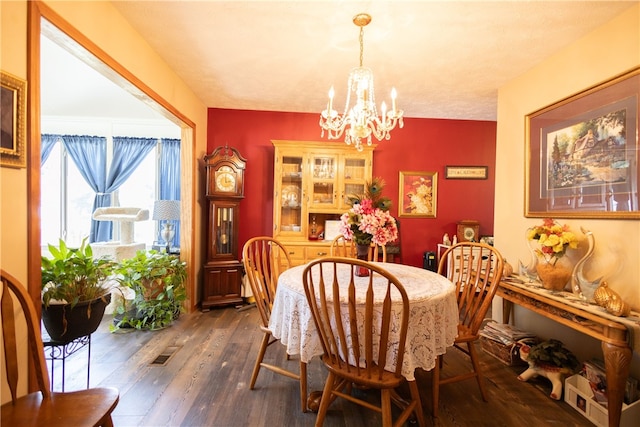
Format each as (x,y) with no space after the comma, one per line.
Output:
(432,322)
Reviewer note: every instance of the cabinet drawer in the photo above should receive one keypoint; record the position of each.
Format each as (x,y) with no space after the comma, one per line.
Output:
(313,252)
(296,253)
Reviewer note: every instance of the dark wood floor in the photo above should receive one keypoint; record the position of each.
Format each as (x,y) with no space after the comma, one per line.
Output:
(205,382)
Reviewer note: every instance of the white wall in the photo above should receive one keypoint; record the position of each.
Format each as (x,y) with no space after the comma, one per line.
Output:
(606,52)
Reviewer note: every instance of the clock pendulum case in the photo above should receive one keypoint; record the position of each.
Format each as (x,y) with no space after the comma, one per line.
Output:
(222,283)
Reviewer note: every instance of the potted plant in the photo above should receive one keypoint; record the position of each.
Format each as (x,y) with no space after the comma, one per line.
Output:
(75,290)
(158,281)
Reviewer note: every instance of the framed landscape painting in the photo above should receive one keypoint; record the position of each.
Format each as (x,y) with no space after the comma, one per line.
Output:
(418,194)
(13,116)
(582,153)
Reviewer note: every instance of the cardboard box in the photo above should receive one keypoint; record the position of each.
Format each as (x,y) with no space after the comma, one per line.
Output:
(578,394)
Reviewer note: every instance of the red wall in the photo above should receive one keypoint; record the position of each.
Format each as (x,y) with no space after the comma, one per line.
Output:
(422,145)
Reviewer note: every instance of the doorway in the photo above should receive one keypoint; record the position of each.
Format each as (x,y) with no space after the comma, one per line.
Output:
(45,22)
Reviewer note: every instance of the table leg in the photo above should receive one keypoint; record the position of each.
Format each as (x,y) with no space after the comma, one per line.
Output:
(616,361)
(507,306)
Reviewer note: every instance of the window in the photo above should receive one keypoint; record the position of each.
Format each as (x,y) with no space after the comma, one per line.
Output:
(67,200)
(139,191)
(51,197)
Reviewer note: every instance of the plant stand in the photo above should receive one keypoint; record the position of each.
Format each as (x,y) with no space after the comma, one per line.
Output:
(60,350)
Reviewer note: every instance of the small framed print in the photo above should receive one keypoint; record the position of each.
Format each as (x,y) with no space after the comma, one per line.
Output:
(466,172)
(13,116)
(418,194)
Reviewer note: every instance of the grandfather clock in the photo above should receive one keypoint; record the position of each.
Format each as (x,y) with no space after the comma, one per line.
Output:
(222,284)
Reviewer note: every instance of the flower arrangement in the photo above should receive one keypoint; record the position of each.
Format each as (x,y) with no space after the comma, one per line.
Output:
(369,221)
(554,239)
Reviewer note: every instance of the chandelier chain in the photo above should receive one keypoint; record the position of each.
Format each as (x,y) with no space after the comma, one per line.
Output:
(361,45)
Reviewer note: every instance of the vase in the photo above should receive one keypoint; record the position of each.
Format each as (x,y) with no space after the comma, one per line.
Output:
(554,276)
(362,253)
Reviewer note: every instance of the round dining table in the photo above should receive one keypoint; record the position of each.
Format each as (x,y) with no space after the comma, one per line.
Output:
(432,325)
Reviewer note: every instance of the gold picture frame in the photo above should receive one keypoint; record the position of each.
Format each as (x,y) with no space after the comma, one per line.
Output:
(418,194)
(466,172)
(13,112)
(583,151)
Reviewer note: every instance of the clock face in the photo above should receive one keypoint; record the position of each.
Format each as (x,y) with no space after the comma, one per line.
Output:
(225,179)
(469,233)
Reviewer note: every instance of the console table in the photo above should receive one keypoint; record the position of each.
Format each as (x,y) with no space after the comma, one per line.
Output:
(615,333)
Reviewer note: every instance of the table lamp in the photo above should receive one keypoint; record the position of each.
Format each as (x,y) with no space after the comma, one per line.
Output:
(167,210)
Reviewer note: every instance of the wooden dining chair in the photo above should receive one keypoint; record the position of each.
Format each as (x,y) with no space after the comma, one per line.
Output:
(394,248)
(264,258)
(342,247)
(91,407)
(475,270)
(355,336)
(377,253)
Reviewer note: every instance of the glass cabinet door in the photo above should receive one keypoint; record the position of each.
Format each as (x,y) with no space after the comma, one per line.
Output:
(354,176)
(224,230)
(323,176)
(291,195)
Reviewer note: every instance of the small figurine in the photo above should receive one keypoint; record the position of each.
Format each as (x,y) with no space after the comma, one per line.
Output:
(455,240)
(551,360)
(445,240)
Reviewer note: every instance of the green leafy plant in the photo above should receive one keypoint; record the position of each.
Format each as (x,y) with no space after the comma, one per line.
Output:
(73,275)
(158,281)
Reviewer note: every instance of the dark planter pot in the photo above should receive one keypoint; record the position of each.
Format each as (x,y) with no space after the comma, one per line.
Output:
(66,324)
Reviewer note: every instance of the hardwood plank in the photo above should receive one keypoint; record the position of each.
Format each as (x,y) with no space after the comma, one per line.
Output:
(205,383)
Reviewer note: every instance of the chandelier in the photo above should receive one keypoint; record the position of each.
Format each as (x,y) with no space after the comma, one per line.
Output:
(361,119)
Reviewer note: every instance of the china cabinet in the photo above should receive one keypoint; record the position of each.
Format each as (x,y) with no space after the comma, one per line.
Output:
(312,182)
(222,282)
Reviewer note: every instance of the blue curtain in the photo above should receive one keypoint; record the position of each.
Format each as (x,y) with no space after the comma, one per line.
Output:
(89,153)
(46,146)
(170,176)
(128,153)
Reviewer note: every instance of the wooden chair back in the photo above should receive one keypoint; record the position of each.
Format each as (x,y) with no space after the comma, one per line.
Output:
(264,258)
(42,407)
(377,253)
(11,324)
(356,337)
(475,269)
(341,247)
(354,323)
(394,249)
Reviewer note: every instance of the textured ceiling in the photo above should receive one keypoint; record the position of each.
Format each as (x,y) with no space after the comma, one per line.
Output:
(445,58)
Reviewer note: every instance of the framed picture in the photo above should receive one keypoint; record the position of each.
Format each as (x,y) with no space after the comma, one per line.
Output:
(418,194)
(13,116)
(466,172)
(582,153)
